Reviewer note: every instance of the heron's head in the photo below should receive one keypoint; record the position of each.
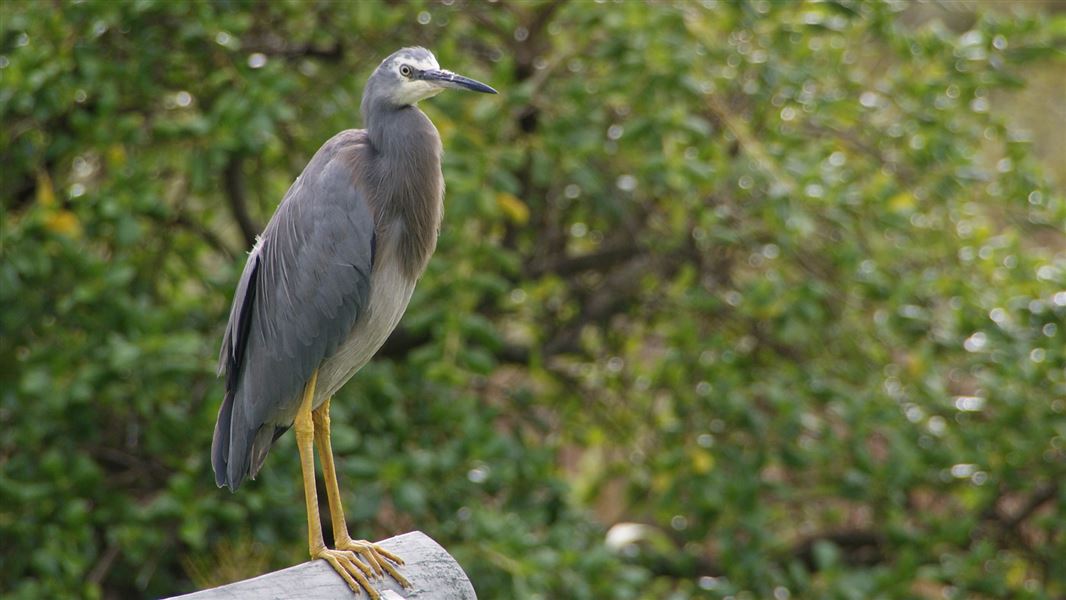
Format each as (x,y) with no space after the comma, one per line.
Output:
(412,74)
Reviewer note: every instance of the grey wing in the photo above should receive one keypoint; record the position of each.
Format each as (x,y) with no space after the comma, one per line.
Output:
(304,286)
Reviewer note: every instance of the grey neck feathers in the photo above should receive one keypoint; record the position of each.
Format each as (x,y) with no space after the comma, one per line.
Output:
(403,169)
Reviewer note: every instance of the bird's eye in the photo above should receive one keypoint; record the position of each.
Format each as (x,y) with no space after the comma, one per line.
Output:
(405,70)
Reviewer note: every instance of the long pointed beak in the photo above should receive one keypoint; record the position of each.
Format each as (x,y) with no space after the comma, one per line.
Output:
(452,80)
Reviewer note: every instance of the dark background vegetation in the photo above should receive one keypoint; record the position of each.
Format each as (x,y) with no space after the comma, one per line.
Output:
(733,299)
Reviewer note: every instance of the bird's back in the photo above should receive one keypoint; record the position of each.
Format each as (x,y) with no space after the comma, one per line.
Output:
(304,287)
(327,283)
(405,190)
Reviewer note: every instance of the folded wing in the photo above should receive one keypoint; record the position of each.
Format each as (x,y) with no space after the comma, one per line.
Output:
(306,283)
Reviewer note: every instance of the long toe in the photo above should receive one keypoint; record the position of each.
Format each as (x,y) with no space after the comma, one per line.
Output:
(379,558)
(351,569)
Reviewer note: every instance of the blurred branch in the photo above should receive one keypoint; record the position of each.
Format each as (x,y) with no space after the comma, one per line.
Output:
(569,265)
(542,15)
(403,341)
(860,548)
(233,179)
(332,53)
(205,234)
(867,548)
(485,21)
(177,197)
(618,291)
(533,24)
(749,143)
(103,564)
(1008,526)
(856,142)
(1044,494)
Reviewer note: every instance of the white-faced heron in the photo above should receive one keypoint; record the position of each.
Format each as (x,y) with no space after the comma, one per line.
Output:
(326,284)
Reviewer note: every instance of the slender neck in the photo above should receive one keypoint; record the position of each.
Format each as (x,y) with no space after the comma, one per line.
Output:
(403,170)
(381,116)
(390,129)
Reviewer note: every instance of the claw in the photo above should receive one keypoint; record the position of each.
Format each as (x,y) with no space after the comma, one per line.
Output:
(351,569)
(378,558)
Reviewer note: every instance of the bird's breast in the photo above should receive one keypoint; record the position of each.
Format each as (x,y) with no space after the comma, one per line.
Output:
(390,292)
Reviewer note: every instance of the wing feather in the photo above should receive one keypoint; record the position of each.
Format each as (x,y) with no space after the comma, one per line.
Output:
(296,302)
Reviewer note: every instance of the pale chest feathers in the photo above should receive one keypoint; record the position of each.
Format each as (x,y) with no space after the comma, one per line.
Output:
(404,187)
(390,292)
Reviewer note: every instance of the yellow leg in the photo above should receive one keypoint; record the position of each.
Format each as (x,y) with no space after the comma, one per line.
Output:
(371,553)
(344,562)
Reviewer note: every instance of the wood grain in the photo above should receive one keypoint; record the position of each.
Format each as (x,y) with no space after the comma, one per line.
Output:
(433,573)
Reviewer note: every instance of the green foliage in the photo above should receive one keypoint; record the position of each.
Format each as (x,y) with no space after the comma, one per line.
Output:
(777,282)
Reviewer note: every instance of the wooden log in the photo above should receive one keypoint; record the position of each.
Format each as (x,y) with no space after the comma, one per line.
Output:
(433,573)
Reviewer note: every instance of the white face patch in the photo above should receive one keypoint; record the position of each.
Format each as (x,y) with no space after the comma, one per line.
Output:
(421,63)
(411,91)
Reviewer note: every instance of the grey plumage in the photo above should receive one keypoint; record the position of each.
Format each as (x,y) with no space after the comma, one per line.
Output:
(335,267)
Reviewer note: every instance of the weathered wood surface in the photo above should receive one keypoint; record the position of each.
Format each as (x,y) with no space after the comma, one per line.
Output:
(433,573)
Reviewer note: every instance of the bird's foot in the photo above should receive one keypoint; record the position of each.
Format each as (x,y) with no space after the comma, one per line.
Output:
(379,559)
(354,572)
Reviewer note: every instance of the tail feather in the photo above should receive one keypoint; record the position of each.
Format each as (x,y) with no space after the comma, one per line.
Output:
(264,439)
(236,451)
(232,444)
(220,442)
